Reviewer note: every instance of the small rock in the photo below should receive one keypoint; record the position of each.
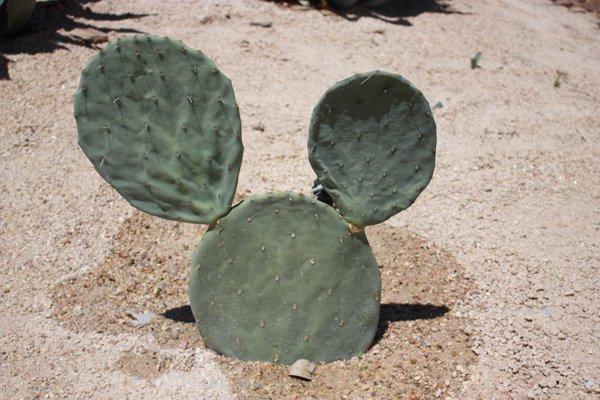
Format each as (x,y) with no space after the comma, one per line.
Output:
(175,334)
(259,127)
(88,35)
(207,19)
(531,395)
(475,60)
(547,383)
(255,386)
(140,319)
(262,24)
(189,362)
(302,369)
(546,311)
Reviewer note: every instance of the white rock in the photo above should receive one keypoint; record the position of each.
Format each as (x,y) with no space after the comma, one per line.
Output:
(302,369)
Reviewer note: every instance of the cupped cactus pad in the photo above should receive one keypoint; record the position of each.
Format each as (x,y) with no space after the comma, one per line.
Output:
(160,123)
(372,145)
(14,15)
(282,277)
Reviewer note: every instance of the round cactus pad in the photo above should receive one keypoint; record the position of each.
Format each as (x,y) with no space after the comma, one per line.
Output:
(281,278)
(160,123)
(372,145)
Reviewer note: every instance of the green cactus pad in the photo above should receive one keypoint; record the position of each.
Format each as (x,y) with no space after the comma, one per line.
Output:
(281,277)
(372,145)
(14,15)
(160,123)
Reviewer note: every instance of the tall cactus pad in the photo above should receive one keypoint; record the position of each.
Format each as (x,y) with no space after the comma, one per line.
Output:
(14,15)
(372,145)
(281,278)
(160,123)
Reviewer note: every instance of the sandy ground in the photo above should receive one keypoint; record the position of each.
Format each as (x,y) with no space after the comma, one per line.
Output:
(490,279)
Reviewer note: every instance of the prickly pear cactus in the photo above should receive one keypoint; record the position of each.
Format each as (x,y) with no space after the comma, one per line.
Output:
(281,277)
(160,123)
(14,15)
(372,145)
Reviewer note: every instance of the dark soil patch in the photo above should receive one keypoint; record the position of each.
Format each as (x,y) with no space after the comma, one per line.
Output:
(422,347)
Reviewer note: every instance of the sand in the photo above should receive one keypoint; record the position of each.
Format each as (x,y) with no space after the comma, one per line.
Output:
(490,282)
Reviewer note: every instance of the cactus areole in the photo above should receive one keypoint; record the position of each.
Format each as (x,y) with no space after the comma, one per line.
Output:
(280,276)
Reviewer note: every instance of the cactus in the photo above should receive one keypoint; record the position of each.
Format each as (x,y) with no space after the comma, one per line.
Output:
(278,277)
(14,15)
(160,123)
(372,145)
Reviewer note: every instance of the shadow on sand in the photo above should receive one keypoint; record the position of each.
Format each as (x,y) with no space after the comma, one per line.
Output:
(392,11)
(49,27)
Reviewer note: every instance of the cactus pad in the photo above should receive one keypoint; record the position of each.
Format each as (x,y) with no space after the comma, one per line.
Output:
(372,145)
(282,278)
(160,123)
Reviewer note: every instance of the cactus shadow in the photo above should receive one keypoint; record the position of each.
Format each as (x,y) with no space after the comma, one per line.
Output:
(394,312)
(396,12)
(180,314)
(51,28)
(392,11)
